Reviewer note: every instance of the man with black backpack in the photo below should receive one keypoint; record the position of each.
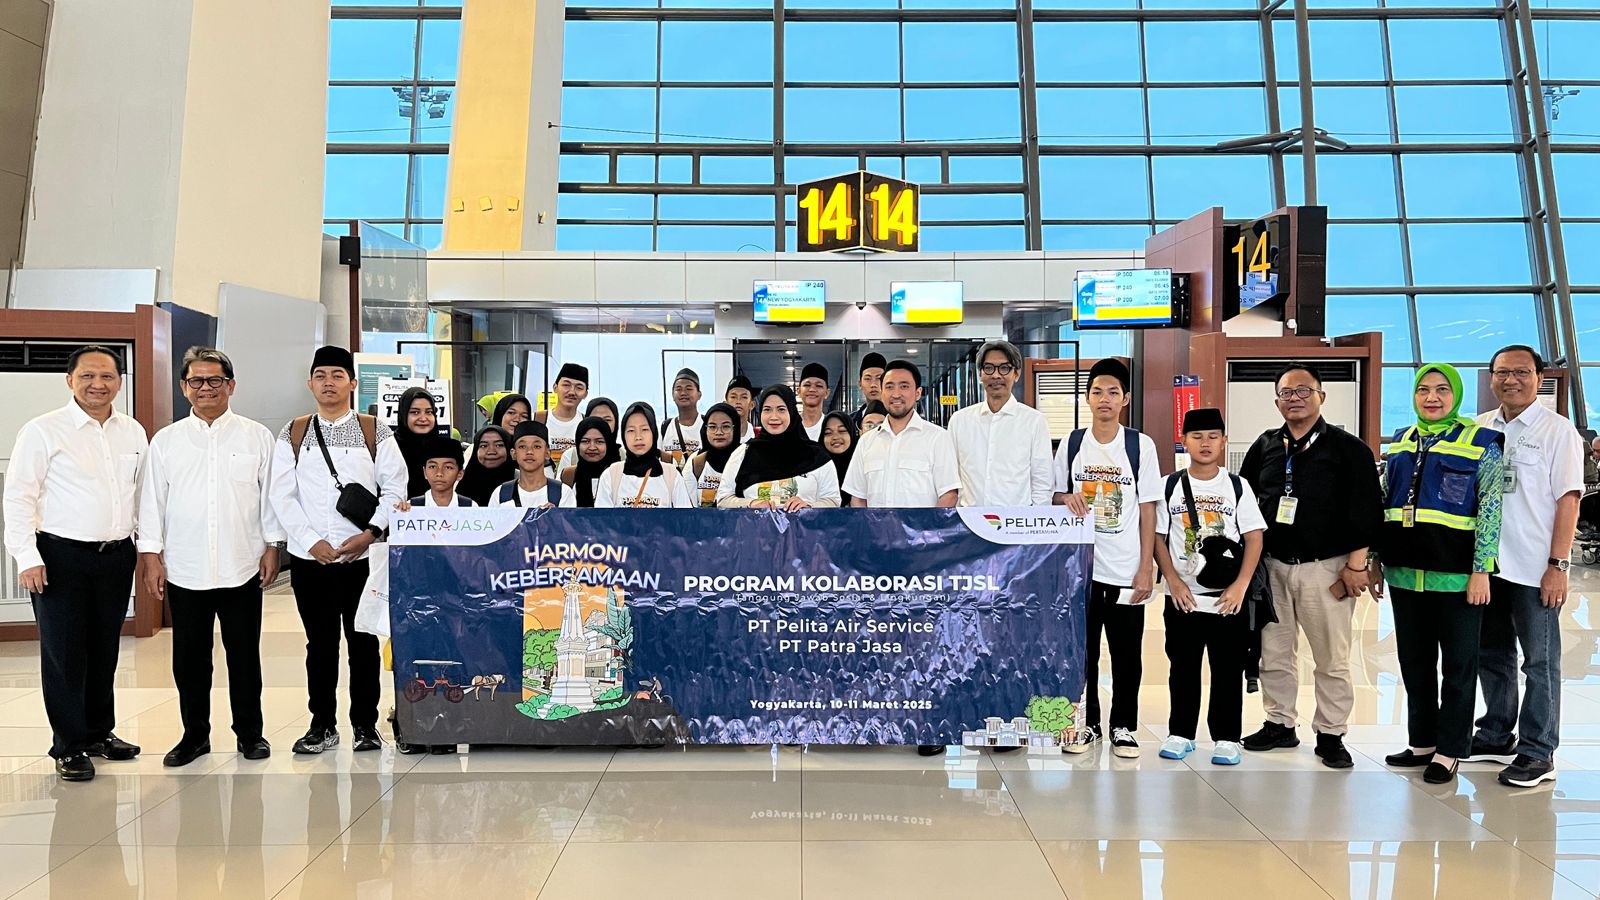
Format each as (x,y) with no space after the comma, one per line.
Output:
(1113,471)
(335,476)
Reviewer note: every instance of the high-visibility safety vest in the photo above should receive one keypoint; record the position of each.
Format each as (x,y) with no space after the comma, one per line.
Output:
(1445,503)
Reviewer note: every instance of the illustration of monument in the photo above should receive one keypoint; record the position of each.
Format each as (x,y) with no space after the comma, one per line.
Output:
(571,687)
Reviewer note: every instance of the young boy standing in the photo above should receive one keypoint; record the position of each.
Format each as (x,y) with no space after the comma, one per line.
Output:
(442,469)
(1209,524)
(533,488)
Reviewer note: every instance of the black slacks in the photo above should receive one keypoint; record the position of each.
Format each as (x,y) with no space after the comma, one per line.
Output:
(1124,632)
(1430,627)
(327,597)
(80,615)
(1221,639)
(195,614)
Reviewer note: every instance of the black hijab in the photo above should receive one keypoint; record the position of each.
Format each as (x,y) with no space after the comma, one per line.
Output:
(504,405)
(616,414)
(650,462)
(585,472)
(841,461)
(413,446)
(774,457)
(480,481)
(717,458)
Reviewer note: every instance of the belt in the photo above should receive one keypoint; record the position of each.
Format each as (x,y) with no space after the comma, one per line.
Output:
(1296,561)
(95,546)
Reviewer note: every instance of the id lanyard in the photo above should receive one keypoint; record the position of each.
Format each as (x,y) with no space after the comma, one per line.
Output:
(1408,513)
(1289,503)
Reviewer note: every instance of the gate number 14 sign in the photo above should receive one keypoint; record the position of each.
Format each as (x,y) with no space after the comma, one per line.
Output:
(859,211)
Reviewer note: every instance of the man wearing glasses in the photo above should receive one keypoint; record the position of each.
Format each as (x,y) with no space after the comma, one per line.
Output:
(1317,486)
(209,542)
(1002,446)
(1543,486)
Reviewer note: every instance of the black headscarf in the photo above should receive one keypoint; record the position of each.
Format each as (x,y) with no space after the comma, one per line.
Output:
(841,461)
(413,446)
(584,472)
(717,458)
(649,463)
(480,481)
(606,402)
(504,405)
(774,457)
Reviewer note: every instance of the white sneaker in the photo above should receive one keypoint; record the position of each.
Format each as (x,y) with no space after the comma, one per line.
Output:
(1226,753)
(1123,744)
(1082,741)
(1176,747)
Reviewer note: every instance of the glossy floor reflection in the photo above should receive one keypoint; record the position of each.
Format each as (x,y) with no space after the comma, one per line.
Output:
(751,822)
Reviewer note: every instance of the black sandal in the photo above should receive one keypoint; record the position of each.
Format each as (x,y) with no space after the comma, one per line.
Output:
(1436,773)
(1408,760)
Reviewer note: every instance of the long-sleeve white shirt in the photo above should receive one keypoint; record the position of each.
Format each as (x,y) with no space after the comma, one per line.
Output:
(203,501)
(305,496)
(72,477)
(1004,456)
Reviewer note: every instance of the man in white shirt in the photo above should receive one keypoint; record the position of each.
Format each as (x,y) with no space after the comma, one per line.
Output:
(871,383)
(572,386)
(813,398)
(1002,446)
(328,548)
(680,435)
(69,505)
(209,543)
(1539,516)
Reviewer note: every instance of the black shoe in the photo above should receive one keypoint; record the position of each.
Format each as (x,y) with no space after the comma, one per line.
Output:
(256,748)
(1405,759)
(1252,685)
(1483,751)
(1272,736)
(1436,773)
(184,753)
(1330,748)
(76,767)
(1527,772)
(113,748)
(442,749)
(367,740)
(317,740)
(410,749)
(930,750)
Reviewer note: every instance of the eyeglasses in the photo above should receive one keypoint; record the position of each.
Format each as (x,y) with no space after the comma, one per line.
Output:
(993,369)
(1297,393)
(213,382)
(1519,374)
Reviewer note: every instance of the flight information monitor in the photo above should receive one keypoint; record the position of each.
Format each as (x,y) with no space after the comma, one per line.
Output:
(789,302)
(925,302)
(1125,298)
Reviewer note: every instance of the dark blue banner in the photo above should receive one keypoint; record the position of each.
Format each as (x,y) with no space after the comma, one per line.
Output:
(611,626)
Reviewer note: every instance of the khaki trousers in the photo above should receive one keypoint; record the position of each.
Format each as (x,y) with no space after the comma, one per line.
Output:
(1301,599)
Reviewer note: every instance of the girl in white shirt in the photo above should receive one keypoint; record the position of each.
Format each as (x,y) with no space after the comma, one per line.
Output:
(595,451)
(780,468)
(600,408)
(720,428)
(641,480)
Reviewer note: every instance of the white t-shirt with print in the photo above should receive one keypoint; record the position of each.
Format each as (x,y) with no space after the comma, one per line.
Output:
(688,447)
(1220,514)
(616,488)
(563,437)
(706,486)
(530,499)
(1103,474)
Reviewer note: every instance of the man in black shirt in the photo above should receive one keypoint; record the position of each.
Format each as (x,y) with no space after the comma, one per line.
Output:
(1318,490)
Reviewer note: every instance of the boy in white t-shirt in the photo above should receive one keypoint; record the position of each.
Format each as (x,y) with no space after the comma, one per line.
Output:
(1211,535)
(1114,471)
(533,487)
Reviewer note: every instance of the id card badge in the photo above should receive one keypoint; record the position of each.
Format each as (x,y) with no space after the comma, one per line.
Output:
(1286,508)
(1509,486)
(1408,516)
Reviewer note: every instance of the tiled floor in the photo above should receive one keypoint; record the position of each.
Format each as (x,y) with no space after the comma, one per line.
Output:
(754,822)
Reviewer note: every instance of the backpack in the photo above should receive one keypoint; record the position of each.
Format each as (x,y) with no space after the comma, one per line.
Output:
(369,432)
(1130,446)
(509,493)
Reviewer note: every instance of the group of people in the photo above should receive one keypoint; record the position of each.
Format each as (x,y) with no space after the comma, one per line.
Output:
(1472,523)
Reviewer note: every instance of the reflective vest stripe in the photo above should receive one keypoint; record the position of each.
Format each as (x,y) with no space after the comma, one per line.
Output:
(1435,517)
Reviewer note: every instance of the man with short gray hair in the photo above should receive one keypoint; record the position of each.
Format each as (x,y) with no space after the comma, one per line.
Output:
(1002,446)
(209,541)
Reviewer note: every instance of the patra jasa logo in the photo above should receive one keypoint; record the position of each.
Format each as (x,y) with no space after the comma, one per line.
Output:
(459,525)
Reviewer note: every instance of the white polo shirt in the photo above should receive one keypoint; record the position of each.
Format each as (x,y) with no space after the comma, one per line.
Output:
(909,469)
(1004,456)
(1546,453)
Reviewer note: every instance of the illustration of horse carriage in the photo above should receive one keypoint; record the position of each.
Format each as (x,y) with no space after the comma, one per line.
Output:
(420,687)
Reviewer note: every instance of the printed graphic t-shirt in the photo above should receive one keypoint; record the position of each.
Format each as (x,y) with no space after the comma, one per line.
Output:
(1219,514)
(1105,477)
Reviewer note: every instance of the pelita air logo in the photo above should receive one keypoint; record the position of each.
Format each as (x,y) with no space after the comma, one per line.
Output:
(994,520)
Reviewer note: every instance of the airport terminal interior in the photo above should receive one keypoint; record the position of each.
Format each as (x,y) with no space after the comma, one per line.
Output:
(473,196)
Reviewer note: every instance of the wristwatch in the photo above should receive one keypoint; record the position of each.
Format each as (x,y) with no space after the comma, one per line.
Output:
(1561,565)
(375,531)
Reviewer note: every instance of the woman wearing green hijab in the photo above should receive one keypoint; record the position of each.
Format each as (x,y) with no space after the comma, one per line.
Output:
(1441,534)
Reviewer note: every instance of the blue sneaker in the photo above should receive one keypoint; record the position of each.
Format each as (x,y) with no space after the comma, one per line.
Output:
(1175,747)
(1226,753)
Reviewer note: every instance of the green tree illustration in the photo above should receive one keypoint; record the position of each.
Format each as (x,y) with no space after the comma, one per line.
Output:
(1050,714)
(539,649)
(618,625)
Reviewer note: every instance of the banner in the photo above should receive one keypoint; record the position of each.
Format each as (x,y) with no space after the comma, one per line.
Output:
(613,626)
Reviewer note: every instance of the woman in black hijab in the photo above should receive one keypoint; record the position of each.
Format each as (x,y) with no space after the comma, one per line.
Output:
(595,451)
(511,411)
(839,439)
(599,406)
(491,465)
(720,438)
(418,420)
(641,480)
(780,468)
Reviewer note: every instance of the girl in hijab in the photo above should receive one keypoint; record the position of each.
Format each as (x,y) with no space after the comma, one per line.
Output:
(839,439)
(595,451)
(603,409)
(641,480)
(418,421)
(1440,537)
(779,468)
(491,465)
(511,411)
(719,435)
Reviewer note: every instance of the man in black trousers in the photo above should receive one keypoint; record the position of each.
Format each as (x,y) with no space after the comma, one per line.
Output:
(69,505)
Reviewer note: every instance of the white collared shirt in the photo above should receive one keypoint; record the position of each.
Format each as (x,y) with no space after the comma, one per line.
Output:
(455,500)
(72,477)
(305,496)
(203,501)
(1546,453)
(911,469)
(1004,457)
